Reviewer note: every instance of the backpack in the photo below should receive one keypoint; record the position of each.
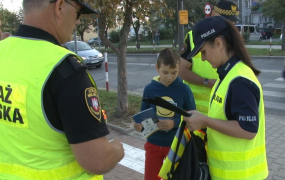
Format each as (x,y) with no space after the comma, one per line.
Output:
(193,163)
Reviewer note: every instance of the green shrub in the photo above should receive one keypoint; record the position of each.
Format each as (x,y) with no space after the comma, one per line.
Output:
(114,36)
(245,36)
(166,33)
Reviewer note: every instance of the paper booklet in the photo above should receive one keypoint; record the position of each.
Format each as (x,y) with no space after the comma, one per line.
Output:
(148,119)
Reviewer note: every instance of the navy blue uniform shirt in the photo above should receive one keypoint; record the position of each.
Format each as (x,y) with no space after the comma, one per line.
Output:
(242,99)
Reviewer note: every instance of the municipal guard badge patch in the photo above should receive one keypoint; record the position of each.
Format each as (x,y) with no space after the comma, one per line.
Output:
(93,103)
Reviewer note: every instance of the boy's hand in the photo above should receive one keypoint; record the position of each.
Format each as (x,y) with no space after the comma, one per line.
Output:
(165,124)
(138,127)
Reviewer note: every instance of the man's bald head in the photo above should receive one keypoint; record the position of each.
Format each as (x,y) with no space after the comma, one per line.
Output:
(0,28)
(32,5)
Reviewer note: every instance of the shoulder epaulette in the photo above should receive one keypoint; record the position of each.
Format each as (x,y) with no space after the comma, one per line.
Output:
(76,62)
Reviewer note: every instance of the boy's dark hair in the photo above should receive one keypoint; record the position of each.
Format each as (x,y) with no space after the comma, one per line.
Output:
(168,56)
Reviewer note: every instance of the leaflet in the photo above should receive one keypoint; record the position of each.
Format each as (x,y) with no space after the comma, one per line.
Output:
(149,120)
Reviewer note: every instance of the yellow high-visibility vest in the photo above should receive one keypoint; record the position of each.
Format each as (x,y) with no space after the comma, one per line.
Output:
(204,69)
(230,157)
(30,147)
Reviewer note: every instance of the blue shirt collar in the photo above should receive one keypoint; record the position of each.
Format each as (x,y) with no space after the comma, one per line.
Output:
(225,68)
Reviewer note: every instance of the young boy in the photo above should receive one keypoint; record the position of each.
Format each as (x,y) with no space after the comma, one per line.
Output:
(171,88)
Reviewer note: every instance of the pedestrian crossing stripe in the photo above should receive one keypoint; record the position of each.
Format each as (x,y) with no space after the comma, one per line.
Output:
(134,158)
(273,94)
(282,86)
(274,105)
(279,79)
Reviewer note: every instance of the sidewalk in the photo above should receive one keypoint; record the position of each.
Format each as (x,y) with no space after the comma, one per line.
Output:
(275,147)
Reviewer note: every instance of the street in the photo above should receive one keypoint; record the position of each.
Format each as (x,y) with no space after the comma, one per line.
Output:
(141,69)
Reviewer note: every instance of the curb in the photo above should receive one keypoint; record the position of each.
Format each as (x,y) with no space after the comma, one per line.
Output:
(279,57)
(120,129)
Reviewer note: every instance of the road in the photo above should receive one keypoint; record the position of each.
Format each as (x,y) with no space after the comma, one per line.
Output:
(141,69)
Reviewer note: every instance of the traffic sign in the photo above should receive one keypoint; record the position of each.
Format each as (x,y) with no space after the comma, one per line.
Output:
(183,17)
(208,9)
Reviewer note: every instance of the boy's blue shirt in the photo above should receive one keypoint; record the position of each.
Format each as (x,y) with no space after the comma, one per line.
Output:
(179,94)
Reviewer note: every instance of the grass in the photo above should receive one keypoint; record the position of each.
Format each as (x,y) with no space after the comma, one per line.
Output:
(266,52)
(263,43)
(252,51)
(108,101)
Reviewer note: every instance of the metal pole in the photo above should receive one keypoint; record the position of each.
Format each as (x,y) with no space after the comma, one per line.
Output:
(75,41)
(106,72)
(270,47)
(180,26)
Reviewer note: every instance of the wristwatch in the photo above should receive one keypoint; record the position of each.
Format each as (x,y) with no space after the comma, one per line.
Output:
(205,82)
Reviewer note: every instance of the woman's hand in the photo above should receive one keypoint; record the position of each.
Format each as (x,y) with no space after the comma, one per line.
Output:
(196,121)
(138,127)
(165,124)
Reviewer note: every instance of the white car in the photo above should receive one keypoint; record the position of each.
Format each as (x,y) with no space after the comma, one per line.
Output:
(255,34)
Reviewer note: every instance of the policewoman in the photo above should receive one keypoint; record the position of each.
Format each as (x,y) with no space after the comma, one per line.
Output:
(236,121)
(51,124)
(199,75)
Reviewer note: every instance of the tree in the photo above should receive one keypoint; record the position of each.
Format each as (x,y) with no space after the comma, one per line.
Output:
(195,13)
(276,9)
(141,15)
(111,13)
(10,20)
(85,22)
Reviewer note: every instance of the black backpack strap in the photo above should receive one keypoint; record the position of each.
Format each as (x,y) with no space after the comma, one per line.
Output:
(182,127)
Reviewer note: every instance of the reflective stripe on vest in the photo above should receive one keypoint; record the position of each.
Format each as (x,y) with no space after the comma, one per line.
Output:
(230,157)
(63,172)
(166,167)
(32,149)
(204,69)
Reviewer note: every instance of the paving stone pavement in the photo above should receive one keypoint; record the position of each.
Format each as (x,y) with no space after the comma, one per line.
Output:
(130,137)
(275,145)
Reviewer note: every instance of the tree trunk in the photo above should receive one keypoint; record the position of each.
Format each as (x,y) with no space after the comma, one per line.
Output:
(82,36)
(136,29)
(137,41)
(122,96)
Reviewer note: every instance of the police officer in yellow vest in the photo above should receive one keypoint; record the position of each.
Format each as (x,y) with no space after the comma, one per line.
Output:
(51,124)
(236,119)
(200,75)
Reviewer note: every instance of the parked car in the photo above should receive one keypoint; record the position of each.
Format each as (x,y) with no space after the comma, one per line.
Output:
(95,40)
(90,56)
(254,31)
(266,34)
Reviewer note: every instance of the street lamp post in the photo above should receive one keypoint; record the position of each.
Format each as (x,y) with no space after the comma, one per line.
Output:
(180,26)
